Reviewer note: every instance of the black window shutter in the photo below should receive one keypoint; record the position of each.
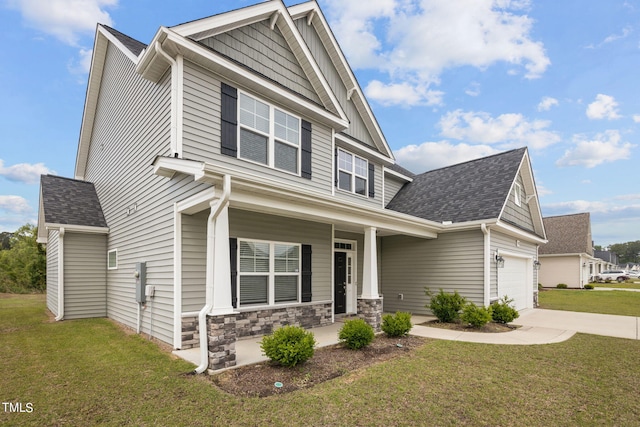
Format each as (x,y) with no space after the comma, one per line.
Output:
(306,273)
(372,180)
(335,180)
(306,149)
(229,120)
(233,251)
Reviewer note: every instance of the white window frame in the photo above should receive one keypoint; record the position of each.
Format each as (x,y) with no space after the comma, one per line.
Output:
(517,194)
(271,138)
(109,266)
(352,173)
(271,274)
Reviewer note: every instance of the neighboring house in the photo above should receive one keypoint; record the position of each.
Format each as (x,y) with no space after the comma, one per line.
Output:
(569,256)
(607,261)
(234,166)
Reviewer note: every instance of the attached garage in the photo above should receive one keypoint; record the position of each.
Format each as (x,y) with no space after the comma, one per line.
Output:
(514,280)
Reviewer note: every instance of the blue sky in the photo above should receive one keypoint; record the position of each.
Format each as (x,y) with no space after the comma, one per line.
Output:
(448,80)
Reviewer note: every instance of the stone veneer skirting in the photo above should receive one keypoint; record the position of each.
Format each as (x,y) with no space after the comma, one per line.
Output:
(221,331)
(190,333)
(263,322)
(371,311)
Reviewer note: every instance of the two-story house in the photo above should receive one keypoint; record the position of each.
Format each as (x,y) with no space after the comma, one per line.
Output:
(231,177)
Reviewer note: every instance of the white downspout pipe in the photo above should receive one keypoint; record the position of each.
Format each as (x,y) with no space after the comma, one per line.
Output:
(176,116)
(60,315)
(216,208)
(487,264)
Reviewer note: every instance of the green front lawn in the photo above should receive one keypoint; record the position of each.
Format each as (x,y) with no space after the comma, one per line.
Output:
(89,372)
(626,303)
(632,285)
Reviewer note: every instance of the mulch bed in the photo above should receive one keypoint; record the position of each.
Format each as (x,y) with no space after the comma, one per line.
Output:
(327,363)
(490,327)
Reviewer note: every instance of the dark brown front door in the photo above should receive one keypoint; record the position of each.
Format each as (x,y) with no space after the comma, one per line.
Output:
(340,282)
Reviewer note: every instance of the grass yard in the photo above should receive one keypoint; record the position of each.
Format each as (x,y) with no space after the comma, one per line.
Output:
(625,303)
(89,372)
(632,285)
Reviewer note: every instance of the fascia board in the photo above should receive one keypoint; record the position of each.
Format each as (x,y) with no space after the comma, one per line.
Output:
(362,150)
(77,228)
(42,232)
(468,225)
(397,174)
(516,232)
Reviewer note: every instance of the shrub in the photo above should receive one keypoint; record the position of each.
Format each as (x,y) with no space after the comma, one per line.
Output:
(289,345)
(561,286)
(356,333)
(398,325)
(588,286)
(476,316)
(503,312)
(446,307)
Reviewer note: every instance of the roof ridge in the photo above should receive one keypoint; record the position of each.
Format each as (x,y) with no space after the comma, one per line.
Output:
(474,160)
(64,177)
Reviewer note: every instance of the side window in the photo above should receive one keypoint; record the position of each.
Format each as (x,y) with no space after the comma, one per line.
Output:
(517,194)
(353,173)
(112,259)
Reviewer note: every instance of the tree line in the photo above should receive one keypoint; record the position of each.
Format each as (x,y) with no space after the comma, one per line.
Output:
(23,264)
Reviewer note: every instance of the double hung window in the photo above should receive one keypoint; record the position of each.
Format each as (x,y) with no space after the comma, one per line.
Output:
(352,173)
(268,136)
(269,273)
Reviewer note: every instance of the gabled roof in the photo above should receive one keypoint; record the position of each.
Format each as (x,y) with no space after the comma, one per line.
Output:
(608,256)
(568,234)
(470,191)
(132,44)
(69,203)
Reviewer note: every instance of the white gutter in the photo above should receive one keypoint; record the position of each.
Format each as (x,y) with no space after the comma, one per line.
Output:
(60,315)
(216,208)
(487,264)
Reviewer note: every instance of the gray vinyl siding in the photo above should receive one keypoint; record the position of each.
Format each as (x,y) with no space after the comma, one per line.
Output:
(85,268)
(453,261)
(357,128)
(375,201)
(201,134)
(502,242)
(267,52)
(250,225)
(194,258)
(518,215)
(391,187)
(52,271)
(132,127)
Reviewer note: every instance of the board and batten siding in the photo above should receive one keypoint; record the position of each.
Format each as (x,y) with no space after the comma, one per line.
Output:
(518,215)
(357,129)
(132,127)
(52,271)
(202,134)
(453,261)
(391,187)
(85,273)
(250,225)
(194,260)
(510,245)
(267,52)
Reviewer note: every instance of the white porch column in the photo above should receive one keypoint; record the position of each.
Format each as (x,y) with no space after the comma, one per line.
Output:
(370,267)
(218,276)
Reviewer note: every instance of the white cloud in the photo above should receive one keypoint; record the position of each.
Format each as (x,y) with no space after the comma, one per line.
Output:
(415,40)
(403,94)
(612,37)
(508,130)
(604,107)
(82,64)
(636,118)
(605,147)
(65,19)
(542,190)
(473,89)
(434,155)
(24,172)
(14,204)
(546,103)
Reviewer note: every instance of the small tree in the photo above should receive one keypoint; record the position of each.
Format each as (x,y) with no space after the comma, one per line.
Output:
(23,266)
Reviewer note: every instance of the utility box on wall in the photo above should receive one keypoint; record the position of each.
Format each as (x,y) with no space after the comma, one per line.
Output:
(141,281)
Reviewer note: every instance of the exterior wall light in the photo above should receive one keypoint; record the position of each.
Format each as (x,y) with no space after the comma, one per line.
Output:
(499,261)
(536,265)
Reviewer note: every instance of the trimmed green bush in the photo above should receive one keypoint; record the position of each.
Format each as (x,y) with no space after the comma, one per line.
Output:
(588,286)
(446,307)
(503,312)
(289,345)
(398,325)
(475,316)
(562,286)
(356,333)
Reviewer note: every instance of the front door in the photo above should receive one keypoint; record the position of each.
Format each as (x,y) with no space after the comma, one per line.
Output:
(340,282)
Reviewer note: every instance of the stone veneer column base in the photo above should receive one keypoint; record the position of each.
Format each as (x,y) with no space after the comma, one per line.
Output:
(190,333)
(370,310)
(222,341)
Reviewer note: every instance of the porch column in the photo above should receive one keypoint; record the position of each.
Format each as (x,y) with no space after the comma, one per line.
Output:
(370,267)
(218,263)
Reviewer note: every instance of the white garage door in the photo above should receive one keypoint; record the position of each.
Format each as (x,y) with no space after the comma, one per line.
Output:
(514,282)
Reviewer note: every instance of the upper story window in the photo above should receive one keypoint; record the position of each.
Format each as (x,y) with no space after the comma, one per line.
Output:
(353,173)
(268,136)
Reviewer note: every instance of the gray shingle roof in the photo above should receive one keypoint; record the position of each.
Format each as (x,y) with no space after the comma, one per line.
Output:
(469,191)
(70,202)
(132,44)
(406,172)
(567,234)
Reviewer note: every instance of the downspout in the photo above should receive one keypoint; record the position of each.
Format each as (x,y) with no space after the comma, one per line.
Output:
(216,208)
(60,315)
(176,105)
(487,264)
